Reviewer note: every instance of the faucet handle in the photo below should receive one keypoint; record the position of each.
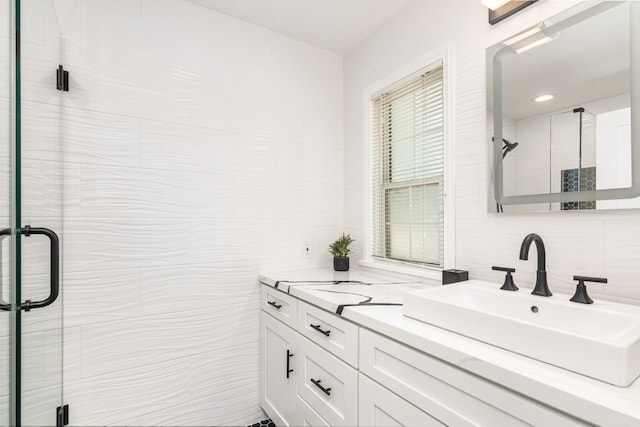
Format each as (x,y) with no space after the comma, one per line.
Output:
(508,285)
(581,295)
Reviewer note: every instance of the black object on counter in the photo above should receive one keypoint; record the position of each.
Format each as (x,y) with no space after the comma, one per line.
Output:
(454,276)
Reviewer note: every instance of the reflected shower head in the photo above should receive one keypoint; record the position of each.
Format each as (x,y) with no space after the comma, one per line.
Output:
(508,146)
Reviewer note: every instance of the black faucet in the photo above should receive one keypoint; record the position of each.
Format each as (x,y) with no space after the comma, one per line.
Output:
(541,287)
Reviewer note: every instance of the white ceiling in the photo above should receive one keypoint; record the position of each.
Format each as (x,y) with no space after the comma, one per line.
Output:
(336,25)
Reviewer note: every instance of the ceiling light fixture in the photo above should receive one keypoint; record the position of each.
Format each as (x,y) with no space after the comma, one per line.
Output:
(501,9)
(493,4)
(543,98)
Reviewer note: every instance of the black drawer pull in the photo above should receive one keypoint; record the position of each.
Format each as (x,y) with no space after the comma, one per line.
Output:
(273,303)
(289,354)
(326,391)
(317,328)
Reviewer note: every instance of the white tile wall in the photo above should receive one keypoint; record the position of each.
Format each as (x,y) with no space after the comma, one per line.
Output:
(192,152)
(121,287)
(599,244)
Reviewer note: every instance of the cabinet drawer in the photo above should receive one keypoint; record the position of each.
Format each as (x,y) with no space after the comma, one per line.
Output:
(307,417)
(331,332)
(280,305)
(327,384)
(377,406)
(447,393)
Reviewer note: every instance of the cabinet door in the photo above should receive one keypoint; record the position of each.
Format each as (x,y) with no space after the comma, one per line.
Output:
(378,407)
(278,370)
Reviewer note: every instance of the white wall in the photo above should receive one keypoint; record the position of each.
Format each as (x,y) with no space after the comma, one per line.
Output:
(198,151)
(599,244)
(529,169)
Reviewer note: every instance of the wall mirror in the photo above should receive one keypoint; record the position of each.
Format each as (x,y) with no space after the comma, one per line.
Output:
(563,101)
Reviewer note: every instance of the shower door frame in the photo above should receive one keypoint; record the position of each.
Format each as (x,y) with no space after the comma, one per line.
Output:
(37,110)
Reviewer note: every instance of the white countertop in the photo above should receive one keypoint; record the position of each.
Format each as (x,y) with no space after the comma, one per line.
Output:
(375,302)
(334,291)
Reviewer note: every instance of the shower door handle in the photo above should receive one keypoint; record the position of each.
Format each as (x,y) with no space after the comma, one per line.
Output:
(54,279)
(3,304)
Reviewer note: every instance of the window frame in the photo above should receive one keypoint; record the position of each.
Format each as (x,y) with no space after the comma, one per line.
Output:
(397,78)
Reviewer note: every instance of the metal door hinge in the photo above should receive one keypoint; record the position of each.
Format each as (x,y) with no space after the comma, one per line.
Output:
(62,79)
(62,416)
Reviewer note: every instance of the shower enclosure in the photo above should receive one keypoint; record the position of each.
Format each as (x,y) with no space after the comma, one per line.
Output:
(573,155)
(31,220)
(551,153)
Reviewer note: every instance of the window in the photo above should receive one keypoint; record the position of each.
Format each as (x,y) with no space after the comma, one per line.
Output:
(408,170)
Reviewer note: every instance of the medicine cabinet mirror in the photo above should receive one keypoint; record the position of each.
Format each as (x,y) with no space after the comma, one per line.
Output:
(563,103)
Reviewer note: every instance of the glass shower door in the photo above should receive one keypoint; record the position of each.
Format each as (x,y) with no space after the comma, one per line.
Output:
(30,215)
(7,224)
(573,155)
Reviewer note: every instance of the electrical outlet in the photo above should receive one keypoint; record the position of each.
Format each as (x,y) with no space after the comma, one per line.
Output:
(307,249)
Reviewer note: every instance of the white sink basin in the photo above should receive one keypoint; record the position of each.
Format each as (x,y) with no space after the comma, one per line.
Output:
(599,340)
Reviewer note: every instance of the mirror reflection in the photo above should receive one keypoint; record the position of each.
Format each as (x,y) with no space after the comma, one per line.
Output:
(560,96)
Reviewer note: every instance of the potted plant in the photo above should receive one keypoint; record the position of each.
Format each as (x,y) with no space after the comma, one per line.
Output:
(340,251)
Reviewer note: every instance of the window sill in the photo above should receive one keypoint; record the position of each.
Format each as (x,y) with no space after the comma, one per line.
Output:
(431,274)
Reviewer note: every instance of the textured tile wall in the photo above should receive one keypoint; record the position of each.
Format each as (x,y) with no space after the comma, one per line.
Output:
(598,244)
(192,152)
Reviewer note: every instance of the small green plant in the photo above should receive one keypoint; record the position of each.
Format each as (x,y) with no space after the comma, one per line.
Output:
(340,248)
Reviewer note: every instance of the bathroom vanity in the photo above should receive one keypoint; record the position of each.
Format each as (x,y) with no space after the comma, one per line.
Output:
(337,350)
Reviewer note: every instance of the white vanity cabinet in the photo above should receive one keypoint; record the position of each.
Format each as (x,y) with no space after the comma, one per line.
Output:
(320,369)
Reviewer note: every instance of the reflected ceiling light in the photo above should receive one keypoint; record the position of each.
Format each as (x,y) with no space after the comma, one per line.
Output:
(531,45)
(543,98)
(493,4)
(523,35)
(529,39)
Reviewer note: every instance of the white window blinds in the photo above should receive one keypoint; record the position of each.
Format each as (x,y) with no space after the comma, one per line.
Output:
(408,170)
